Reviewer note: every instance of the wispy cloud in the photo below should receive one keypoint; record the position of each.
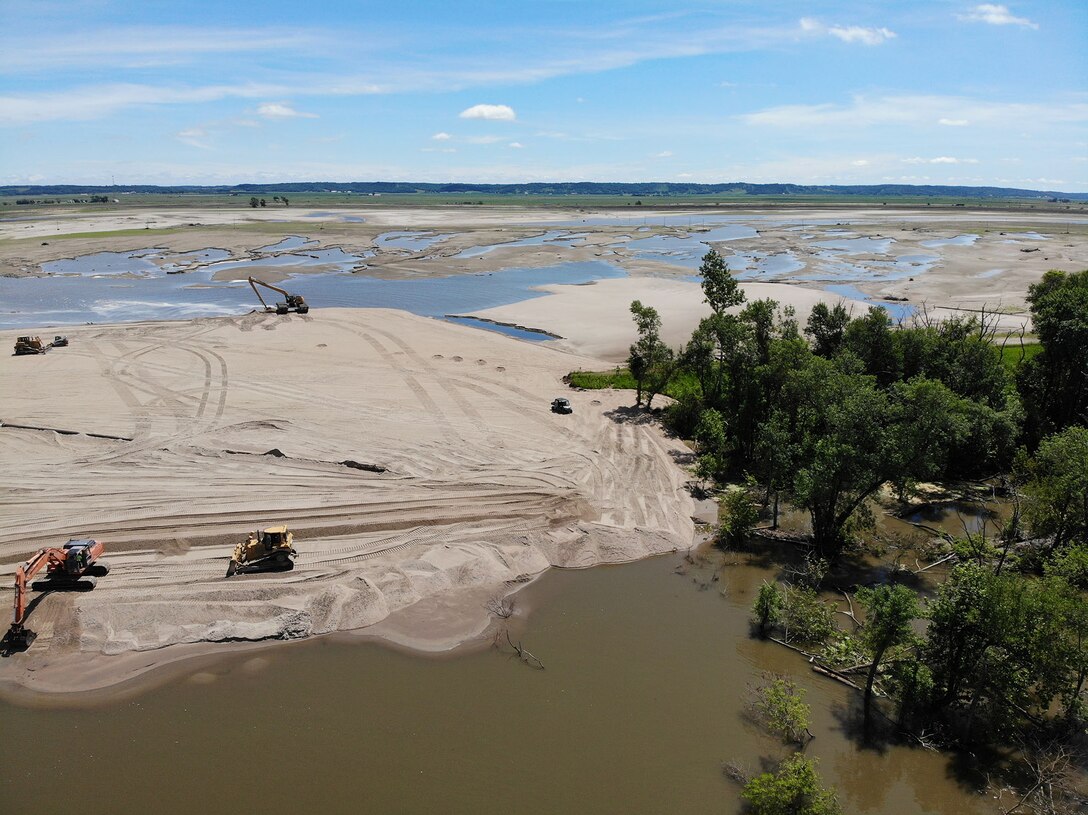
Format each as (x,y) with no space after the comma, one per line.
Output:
(516,145)
(664,154)
(282,110)
(850,33)
(146,46)
(194,137)
(922,110)
(996,15)
(940,160)
(952,122)
(493,113)
(89,102)
(441,136)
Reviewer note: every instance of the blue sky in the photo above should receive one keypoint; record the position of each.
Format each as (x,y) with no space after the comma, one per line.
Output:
(765,91)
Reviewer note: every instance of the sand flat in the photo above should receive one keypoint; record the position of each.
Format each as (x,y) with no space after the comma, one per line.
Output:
(412,458)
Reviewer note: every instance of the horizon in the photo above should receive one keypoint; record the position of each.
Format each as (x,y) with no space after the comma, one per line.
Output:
(938,93)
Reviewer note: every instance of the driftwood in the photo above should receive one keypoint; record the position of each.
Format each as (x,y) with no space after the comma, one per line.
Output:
(833,674)
(524,654)
(945,559)
(857,624)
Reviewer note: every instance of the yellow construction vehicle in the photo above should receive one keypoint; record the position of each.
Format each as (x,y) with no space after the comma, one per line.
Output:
(291,302)
(267,550)
(30,345)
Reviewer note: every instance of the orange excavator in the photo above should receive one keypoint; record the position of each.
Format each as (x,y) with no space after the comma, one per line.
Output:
(73,567)
(290,302)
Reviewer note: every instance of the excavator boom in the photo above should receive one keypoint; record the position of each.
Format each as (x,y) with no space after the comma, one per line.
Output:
(291,302)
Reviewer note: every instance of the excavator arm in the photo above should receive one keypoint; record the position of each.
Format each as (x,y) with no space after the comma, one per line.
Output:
(254,282)
(17,635)
(291,302)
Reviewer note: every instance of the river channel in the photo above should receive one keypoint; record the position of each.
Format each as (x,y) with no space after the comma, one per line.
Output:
(639,704)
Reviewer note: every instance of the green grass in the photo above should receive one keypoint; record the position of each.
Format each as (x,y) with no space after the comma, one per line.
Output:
(620,378)
(598,380)
(1013,355)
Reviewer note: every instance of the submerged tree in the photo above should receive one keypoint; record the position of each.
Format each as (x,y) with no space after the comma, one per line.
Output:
(793,789)
(889,612)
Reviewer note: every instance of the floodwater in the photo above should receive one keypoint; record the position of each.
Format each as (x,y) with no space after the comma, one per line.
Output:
(74,299)
(638,706)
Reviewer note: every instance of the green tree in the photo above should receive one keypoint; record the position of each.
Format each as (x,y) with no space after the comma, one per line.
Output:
(1057,489)
(872,340)
(827,328)
(889,612)
(1054,383)
(254,202)
(713,445)
(720,288)
(768,607)
(841,444)
(805,618)
(779,706)
(793,789)
(650,359)
(741,516)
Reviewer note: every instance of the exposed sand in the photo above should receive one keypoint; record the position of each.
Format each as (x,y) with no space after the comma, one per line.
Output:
(483,486)
(596,317)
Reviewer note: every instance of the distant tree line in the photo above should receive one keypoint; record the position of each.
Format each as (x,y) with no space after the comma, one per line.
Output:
(637,190)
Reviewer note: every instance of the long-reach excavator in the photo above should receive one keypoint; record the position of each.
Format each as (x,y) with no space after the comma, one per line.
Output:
(73,567)
(291,302)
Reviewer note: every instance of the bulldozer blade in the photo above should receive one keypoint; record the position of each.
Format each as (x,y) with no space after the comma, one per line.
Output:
(232,568)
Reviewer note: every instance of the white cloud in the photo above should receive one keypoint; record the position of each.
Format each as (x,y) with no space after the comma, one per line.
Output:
(952,122)
(996,15)
(850,33)
(861,162)
(664,154)
(685,175)
(940,160)
(438,150)
(483,139)
(282,110)
(441,137)
(494,113)
(516,145)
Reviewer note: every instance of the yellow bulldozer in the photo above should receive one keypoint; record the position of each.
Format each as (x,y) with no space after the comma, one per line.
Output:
(30,345)
(271,549)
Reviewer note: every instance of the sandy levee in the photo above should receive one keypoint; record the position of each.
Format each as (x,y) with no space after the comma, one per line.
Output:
(415,460)
(596,317)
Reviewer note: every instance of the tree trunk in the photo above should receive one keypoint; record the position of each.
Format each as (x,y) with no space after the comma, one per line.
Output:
(869,686)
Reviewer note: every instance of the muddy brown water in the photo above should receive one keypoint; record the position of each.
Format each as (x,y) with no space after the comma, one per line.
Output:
(639,705)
